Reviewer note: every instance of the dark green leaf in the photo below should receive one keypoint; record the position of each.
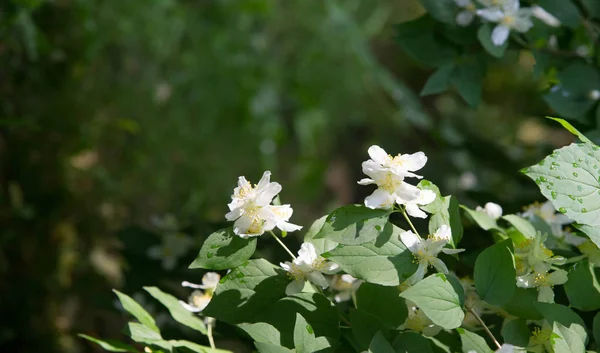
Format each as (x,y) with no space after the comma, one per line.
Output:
(441,10)
(380,345)
(484,34)
(593,8)
(582,287)
(223,250)
(495,273)
(411,342)
(369,298)
(178,312)
(264,347)
(467,77)
(516,332)
(416,39)
(565,11)
(563,315)
(571,97)
(110,345)
(439,81)
(136,310)
(364,327)
(522,304)
(596,327)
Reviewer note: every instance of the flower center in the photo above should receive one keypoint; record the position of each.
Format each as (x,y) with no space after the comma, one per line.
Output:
(390,184)
(540,280)
(415,321)
(296,274)
(508,21)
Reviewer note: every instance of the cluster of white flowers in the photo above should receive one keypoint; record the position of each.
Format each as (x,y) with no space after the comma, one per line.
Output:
(507,14)
(556,220)
(345,285)
(252,211)
(308,266)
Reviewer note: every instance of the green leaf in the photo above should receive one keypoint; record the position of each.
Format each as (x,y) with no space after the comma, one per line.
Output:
(439,81)
(194,347)
(565,11)
(582,287)
(522,304)
(596,327)
(178,312)
(136,310)
(369,298)
(143,334)
(384,261)
(592,232)
(472,342)
(570,179)
(364,327)
(380,345)
(262,332)
(481,218)
(438,300)
(271,348)
(223,250)
(322,245)
(449,215)
(467,77)
(566,340)
(441,10)
(571,98)
(438,205)
(522,225)
(304,337)
(484,34)
(247,291)
(411,342)
(354,224)
(516,332)
(110,345)
(495,273)
(571,129)
(416,38)
(593,8)
(563,315)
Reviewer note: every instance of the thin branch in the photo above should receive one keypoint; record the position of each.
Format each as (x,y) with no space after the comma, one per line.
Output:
(487,330)
(283,245)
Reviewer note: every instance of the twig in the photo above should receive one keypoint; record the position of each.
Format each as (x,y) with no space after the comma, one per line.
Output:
(487,330)
(410,223)
(209,334)
(283,245)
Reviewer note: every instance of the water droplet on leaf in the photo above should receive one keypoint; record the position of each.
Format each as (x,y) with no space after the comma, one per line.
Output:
(209,255)
(309,329)
(562,210)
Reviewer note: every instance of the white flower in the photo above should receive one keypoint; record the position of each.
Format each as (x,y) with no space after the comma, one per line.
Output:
(594,95)
(509,16)
(402,164)
(345,285)
(198,300)
(426,251)
(491,209)
(173,246)
(466,16)
(412,207)
(544,16)
(543,280)
(547,212)
(419,322)
(252,211)
(308,266)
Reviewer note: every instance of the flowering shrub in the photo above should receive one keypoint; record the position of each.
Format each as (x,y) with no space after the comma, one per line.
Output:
(367,279)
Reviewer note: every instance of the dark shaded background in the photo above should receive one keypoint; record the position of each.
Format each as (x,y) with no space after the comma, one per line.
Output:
(115,114)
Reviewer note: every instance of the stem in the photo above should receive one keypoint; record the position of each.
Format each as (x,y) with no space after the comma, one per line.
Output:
(345,320)
(211,340)
(487,330)
(410,223)
(283,245)
(576,259)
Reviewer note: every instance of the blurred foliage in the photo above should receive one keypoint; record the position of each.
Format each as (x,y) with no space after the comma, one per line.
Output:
(117,113)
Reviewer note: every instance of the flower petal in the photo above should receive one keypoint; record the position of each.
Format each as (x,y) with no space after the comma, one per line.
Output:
(557,277)
(406,193)
(452,251)
(411,241)
(426,197)
(378,154)
(294,287)
(414,162)
(189,307)
(418,275)
(546,295)
(307,253)
(414,211)
(380,199)
(500,35)
(318,279)
(527,281)
(492,15)
(439,265)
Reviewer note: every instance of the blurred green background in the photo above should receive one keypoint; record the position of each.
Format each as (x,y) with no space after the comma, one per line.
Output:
(125,124)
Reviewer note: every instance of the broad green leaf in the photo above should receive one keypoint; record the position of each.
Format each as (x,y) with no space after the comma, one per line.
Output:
(262,332)
(472,342)
(592,232)
(110,345)
(380,345)
(484,34)
(143,334)
(522,304)
(322,315)
(570,179)
(563,315)
(565,11)
(417,39)
(194,347)
(439,81)
(516,332)
(438,204)
(322,245)
(596,327)
(223,250)
(522,225)
(570,98)
(566,340)
(441,10)
(467,77)
(136,310)
(370,297)
(264,347)
(571,129)
(247,291)
(304,337)
(384,261)
(495,273)
(178,312)
(354,224)
(481,218)
(582,287)
(411,342)
(438,300)
(449,215)
(364,327)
